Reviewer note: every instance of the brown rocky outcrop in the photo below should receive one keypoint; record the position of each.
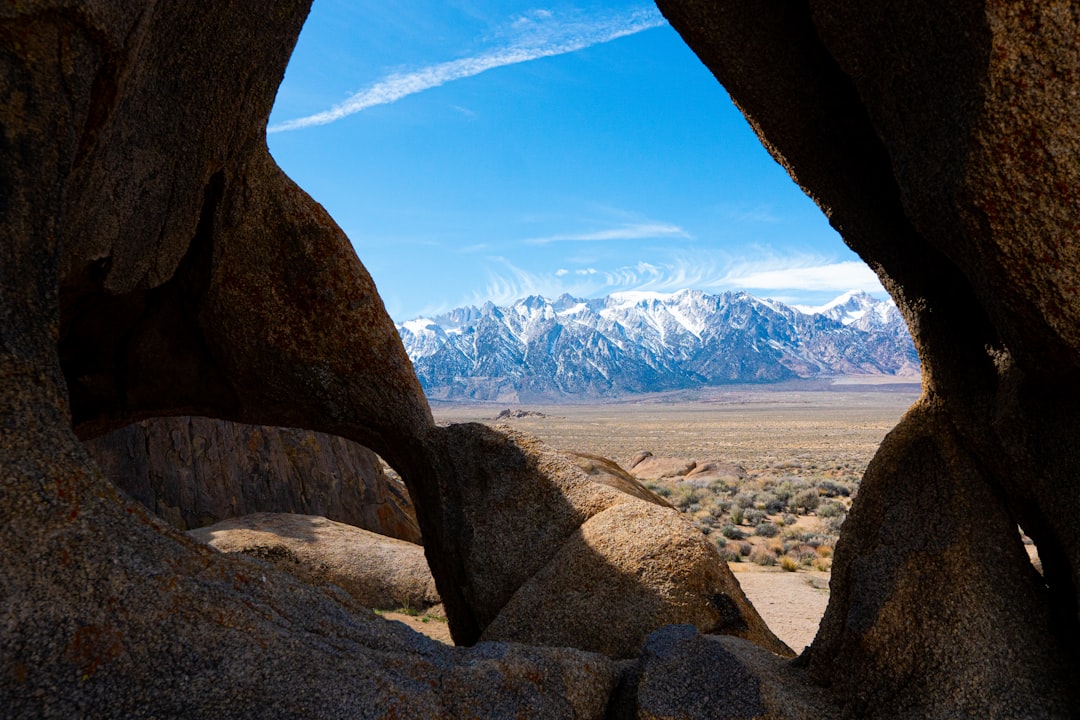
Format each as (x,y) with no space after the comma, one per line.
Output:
(646,466)
(378,571)
(603,568)
(628,570)
(154,260)
(608,472)
(196,471)
(942,142)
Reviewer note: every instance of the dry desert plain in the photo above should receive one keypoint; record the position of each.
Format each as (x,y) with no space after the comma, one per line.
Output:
(790,438)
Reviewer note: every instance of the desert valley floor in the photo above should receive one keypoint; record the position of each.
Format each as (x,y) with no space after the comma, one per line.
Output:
(809,431)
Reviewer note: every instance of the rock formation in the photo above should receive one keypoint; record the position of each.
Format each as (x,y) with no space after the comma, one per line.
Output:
(195,471)
(155,261)
(379,572)
(608,472)
(942,143)
(555,558)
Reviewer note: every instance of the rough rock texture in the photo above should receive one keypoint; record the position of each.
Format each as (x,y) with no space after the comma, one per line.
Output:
(942,142)
(195,471)
(646,466)
(155,261)
(626,571)
(380,572)
(599,573)
(683,675)
(607,472)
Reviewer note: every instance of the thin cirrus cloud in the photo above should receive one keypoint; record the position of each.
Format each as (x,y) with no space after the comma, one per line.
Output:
(792,277)
(635,231)
(538,36)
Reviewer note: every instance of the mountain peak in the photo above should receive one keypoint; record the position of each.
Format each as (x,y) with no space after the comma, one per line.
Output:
(642,341)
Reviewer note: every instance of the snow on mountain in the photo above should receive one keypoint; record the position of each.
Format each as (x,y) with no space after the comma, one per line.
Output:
(633,342)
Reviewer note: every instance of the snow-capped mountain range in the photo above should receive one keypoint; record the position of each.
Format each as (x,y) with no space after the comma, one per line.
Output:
(636,342)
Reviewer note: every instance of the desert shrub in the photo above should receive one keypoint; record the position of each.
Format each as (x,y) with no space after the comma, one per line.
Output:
(769,502)
(834,523)
(745,548)
(682,497)
(720,507)
(760,556)
(823,564)
(744,500)
(732,533)
(831,508)
(718,540)
(737,515)
(732,556)
(798,535)
(661,490)
(766,529)
(721,487)
(789,519)
(789,563)
(753,516)
(804,554)
(832,489)
(806,500)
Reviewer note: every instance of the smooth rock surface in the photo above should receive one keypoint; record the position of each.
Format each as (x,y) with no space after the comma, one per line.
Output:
(378,571)
(627,571)
(652,467)
(601,571)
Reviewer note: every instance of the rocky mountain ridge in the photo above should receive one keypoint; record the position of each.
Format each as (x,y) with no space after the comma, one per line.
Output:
(636,342)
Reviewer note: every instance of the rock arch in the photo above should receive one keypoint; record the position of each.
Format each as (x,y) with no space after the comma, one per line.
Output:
(154,260)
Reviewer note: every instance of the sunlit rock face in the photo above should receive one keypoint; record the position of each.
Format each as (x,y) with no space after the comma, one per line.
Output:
(942,143)
(155,261)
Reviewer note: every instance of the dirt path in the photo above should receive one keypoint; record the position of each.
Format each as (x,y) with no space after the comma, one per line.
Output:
(791,603)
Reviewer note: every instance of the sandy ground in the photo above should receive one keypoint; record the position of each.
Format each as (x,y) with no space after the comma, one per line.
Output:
(792,603)
(433,628)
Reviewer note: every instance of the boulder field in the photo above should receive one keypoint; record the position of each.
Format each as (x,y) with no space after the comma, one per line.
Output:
(156,262)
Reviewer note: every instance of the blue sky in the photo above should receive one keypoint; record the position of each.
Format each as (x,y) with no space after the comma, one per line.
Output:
(475,150)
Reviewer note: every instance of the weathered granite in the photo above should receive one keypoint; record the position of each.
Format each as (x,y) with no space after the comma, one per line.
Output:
(196,471)
(628,570)
(942,142)
(608,472)
(154,260)
(379,571)
(600,571)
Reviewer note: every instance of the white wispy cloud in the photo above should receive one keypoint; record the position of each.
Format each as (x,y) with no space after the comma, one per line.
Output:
(792,278)
(837,276)
(631,231)
(537,35)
